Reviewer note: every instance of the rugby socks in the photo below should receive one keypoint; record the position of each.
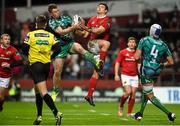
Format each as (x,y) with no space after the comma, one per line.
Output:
(130,104)
(103,55)
(89,57)
(143,103)
(56,89)
(47,98)
(1,104)
(123,100)
(93,83)
(39,104)
(158,104)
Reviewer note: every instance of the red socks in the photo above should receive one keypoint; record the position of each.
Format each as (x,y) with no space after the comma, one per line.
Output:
(123,100)
(93,83)
(103,55)
(130,104)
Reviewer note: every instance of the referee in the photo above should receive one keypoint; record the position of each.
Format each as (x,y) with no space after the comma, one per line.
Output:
(41,46)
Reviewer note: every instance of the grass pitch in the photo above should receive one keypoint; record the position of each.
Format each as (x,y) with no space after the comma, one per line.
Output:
(24,113)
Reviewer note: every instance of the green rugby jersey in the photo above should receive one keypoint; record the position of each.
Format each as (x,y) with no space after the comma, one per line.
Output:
(63,22)
(152,51)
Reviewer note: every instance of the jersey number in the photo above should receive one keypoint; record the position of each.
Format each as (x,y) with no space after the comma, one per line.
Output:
(154,51)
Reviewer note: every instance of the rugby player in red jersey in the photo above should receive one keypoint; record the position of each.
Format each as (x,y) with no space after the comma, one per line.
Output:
(9,58)
(97,29)
(129,75)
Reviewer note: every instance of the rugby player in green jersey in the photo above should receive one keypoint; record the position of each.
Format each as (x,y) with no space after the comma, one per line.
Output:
(62,27)
(150,50)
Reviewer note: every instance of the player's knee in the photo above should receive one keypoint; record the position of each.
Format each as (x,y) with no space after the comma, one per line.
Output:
(105,47)
(81,50)
(150,95)
(128,93)
(95,75)
(147,90)
(133,95)
(108,44)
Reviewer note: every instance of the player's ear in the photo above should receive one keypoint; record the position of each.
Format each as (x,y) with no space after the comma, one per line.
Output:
(45,25)
(106,11)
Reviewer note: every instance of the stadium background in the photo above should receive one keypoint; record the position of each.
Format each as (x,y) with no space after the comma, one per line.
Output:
(129,18)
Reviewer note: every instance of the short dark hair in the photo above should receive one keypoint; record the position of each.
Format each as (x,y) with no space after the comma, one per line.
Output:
(106,6)
(51,7)
(41,21)
(132,38)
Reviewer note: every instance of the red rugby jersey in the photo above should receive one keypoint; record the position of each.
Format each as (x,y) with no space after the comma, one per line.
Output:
(8,55)
(96,22)
(127,62)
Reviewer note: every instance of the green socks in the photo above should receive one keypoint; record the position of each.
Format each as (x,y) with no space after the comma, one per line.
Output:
(56,89)
(90,57)
(158,104)
(143,103)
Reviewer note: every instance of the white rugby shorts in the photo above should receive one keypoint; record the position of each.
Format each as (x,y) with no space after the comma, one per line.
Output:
(4,82)
(129,80)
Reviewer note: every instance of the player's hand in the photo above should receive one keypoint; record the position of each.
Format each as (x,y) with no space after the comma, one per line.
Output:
(117,78)
(76,26)
(5,64)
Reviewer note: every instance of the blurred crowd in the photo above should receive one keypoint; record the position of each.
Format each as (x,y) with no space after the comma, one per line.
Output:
(76,68)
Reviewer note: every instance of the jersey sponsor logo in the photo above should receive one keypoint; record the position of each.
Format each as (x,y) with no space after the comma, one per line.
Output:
(42,42)
(127,54)
(130,59)
(8,52)
(41,35)
(101,22)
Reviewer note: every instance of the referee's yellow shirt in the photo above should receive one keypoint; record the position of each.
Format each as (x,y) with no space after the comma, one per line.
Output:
(40,42)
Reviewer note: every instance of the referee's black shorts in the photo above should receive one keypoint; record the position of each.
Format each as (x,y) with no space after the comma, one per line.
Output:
(40,71)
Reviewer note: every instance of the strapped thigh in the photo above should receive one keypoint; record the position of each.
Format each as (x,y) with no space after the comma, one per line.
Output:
(147,89)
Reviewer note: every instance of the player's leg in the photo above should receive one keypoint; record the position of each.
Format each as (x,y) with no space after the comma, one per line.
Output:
(92,85)
(4,84)
(77,48)
(127,92)
(147,89)
(155,101)
(58,68)
(134,85)
(40,73)
(39,105)
(2,92)
(104,46)
(41,86)
(131,101)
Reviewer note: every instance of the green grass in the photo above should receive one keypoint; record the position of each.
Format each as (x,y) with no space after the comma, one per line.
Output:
(24,113)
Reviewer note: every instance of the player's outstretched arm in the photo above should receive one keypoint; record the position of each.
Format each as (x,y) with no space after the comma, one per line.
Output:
(72,28)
